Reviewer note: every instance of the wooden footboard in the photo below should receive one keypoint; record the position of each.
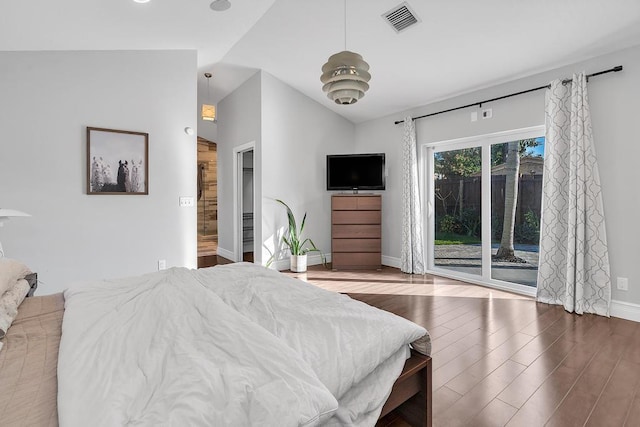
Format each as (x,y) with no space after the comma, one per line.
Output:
(411,395)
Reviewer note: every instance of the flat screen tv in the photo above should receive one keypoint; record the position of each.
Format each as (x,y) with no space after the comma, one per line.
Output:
(355,172)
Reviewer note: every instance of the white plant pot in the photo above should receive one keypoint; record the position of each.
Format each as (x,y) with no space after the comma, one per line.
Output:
(298,263)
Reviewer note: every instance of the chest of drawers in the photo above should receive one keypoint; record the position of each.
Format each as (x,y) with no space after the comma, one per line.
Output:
(356,231)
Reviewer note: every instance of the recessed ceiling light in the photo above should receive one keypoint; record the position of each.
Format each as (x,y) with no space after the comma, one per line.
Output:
(220,5)
(141,1)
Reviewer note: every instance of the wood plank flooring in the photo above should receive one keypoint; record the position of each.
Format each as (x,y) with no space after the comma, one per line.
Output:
(501,359)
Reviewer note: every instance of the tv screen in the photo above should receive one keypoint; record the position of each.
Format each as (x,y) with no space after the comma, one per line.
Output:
(355,172)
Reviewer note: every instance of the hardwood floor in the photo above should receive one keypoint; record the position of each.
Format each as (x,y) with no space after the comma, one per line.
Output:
(212,260)
(501,359)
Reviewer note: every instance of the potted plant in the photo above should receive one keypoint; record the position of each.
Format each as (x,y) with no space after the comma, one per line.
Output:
(298,247)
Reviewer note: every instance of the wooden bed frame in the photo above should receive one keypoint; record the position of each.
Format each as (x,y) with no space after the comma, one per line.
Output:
(411,396)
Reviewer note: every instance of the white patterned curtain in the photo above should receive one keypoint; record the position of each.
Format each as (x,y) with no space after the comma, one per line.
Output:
(412,258)
(574,260)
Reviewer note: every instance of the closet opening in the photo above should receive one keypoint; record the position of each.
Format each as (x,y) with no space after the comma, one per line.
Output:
(244,203)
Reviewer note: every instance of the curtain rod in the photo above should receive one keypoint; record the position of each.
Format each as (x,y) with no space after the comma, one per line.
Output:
(479,104)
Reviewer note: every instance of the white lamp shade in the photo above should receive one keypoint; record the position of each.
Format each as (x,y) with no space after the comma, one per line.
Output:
(345,77)
(208,112)
(9,213)
(5,214)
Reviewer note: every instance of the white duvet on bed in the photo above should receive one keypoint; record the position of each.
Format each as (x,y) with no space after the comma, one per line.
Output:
(161,349)
(342,339)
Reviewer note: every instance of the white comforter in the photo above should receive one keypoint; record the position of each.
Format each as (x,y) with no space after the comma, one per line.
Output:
(162,350)
(226,346)
(342,339)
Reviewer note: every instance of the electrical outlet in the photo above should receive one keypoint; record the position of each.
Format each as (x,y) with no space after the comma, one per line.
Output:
(162,264)
(186,202)
(623,284)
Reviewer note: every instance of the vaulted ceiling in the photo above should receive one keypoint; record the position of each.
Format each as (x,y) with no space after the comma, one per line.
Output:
(458,46)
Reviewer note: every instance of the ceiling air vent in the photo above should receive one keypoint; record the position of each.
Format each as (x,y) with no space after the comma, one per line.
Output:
(401,17)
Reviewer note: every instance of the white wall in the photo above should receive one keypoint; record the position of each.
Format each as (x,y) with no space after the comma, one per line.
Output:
(239,122)
(613,100)
(297,134)
(47,100)
(207,130)
(292,135)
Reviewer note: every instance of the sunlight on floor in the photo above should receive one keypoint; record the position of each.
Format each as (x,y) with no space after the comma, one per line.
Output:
(390,281)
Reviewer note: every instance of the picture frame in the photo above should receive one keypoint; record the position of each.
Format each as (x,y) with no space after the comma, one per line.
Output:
(117,162)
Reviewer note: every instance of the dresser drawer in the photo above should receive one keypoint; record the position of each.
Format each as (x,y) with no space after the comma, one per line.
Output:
(344,203)
(355,245)
(356,217)
(370,203)
(358,231)
(350,203)
(356,261)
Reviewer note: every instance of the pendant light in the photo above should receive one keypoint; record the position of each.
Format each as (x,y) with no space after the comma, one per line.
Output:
(208,111)
(345,75)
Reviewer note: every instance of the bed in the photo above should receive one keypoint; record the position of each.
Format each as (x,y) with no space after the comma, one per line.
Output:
(266,349)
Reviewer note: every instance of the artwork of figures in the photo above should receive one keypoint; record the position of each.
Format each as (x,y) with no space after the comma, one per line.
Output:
(117,162)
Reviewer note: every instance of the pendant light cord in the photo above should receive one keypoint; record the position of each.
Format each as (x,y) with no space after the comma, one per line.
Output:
(208,76)
(345,24)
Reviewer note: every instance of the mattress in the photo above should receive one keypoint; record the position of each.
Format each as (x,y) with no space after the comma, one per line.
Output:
(28,364)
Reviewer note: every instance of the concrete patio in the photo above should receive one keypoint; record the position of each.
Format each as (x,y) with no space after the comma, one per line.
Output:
(468,259)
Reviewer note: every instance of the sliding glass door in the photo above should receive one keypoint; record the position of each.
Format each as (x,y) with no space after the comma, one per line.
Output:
(457,197)
(484,200)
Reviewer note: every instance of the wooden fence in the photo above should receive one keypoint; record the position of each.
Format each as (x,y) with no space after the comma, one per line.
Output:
(455,195)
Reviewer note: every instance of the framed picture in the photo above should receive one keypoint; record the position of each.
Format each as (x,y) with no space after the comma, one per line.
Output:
(117,161)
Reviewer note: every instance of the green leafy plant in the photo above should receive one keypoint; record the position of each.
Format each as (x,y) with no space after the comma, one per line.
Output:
(470,221)
(450,224)
(293,237)
(529,231)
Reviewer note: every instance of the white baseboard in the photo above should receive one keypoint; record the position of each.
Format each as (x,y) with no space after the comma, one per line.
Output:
(390,261)
(225,253)
(625,310)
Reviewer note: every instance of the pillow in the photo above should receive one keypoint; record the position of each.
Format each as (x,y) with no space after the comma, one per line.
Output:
(9,303)
(10,272)
(13,289)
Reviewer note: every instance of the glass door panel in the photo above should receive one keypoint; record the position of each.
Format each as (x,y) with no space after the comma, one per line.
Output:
(516,194)
(457,210)
(484,207)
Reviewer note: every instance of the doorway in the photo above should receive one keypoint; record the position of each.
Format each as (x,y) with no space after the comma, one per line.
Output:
(247,206)
(244,195)
(207,207)
(484,197)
